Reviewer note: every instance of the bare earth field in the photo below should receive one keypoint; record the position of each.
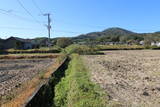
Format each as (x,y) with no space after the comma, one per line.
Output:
(129,77)
(14,72)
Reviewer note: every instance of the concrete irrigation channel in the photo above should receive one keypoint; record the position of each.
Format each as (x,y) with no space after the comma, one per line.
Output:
(43,96)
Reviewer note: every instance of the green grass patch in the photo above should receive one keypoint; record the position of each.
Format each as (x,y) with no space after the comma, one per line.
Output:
(81,49)
(76,89)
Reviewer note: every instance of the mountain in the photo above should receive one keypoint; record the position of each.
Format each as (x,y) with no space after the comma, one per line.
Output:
(114,34)
(108,32)
(117,31)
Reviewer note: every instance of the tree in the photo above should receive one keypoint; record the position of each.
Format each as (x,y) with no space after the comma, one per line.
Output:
(18,45)
(147,41)
(115,38)
(64,42)
(123,39)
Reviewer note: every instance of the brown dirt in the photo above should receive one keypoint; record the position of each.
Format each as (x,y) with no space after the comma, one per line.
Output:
(28,56)
(129,77)
(15,72)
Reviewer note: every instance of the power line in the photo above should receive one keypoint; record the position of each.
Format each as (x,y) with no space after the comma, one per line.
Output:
(24,28)
(35,4)
(18,28)
(9,12)
(20,3)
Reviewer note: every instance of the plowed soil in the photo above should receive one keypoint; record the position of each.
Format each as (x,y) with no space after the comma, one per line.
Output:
(14,72)
(131,78)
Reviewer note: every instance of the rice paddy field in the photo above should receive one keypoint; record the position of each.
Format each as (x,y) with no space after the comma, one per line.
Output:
(16,70)
(131,78)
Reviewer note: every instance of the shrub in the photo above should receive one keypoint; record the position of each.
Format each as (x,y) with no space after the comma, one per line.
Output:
(80,49)
(64,42)
(120,47)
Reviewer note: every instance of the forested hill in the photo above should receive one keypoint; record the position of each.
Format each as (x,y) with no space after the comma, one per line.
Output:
(117,35)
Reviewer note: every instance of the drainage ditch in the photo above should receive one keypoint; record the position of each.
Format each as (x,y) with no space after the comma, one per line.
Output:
(45,95)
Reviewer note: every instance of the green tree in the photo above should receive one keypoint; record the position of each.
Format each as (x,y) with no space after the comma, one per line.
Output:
(18,45)
(64,42)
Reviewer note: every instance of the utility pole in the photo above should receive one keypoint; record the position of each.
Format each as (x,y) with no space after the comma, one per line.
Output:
(49,27)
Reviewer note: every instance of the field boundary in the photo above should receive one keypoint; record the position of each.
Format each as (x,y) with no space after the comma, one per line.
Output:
(30,102)
(28,56)
(30,51)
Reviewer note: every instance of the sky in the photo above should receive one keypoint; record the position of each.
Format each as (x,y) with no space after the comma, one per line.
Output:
(74,17)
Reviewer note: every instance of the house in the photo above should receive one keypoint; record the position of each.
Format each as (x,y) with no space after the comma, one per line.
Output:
(17,43)
(141,43)
(41,42)
(155,44)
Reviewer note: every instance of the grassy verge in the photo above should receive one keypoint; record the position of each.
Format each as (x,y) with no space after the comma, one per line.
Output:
(76,89)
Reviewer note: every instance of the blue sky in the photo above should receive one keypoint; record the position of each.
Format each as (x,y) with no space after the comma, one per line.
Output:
(74,17)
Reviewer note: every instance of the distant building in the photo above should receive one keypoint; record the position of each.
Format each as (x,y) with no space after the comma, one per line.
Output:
(155,44)
(17,43)
(1,44)
(141,43)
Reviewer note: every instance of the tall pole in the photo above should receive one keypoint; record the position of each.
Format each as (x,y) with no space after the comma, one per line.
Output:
(48,26)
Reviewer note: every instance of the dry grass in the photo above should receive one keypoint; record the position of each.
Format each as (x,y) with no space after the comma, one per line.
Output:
(28,56)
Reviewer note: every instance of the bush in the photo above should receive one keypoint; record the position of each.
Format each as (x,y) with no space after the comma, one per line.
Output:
(64,42)
(80,49)
(120,47)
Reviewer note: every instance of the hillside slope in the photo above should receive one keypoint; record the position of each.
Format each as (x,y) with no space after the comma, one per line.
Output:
(116,34)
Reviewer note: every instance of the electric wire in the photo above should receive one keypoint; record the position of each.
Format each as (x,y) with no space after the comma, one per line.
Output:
(9,13)
(38,8)
(28,12)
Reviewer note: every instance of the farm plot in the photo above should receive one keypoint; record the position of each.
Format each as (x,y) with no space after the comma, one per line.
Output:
(14,72)
(131,78)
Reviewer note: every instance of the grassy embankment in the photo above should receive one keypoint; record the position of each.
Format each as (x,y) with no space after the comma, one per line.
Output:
(76,89)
